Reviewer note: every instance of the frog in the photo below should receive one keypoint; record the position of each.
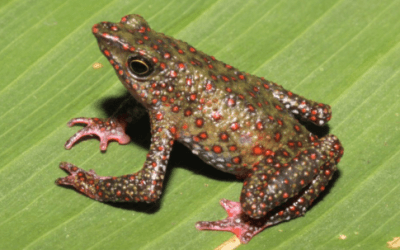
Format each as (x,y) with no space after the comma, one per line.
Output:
(234,121)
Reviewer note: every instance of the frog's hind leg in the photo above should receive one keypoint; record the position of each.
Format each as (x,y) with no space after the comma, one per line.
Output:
(274,194)
(145,185)
(317,113)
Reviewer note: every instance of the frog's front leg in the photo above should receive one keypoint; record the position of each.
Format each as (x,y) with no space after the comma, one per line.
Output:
(273,193)
(317,113)
(145,185)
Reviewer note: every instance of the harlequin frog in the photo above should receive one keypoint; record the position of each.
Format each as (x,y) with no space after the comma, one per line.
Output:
(234,121)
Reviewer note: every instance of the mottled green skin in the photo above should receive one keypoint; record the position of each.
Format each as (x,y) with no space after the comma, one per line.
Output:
(234,121)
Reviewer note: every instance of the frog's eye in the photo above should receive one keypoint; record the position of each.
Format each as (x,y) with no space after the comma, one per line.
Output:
(140,67)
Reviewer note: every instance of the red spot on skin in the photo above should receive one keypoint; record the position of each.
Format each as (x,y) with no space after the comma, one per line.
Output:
(180,51)
(162,65)
(258,150)
(232,148)
(188,112)
(181,66)
(241,77)
(189,82)
(217,149)
(106,52)
(210,66)
(142,29)
(173,73)
(235,126)
(199,122)
(277,136)
(285,195)
(231,102)
(167,55)
(224,136)
(278,107)
(209,86)
(297,128)
(226,79)
(313,156)
(251,108)
(327,172)
(159,116)
(191,49)
(216,116)
(203,135)
(95,29)
(173,130)
(259,126)
(192,97)
(236,160)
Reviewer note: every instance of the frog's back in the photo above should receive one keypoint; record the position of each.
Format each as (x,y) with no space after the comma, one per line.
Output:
(232,120)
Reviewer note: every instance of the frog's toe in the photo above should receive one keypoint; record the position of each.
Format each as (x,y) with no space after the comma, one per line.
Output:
(233,208)
(83,181)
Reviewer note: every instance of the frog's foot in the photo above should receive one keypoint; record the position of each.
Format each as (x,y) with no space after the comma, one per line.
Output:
(106,129)
(81,180)
(237,222)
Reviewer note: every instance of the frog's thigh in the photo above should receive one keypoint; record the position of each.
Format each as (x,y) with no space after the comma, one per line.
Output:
(304,176)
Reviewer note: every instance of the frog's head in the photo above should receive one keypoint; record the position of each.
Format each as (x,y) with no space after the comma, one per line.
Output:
(149,64)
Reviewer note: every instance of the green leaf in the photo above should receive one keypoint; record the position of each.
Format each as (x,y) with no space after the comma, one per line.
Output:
(342,52)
